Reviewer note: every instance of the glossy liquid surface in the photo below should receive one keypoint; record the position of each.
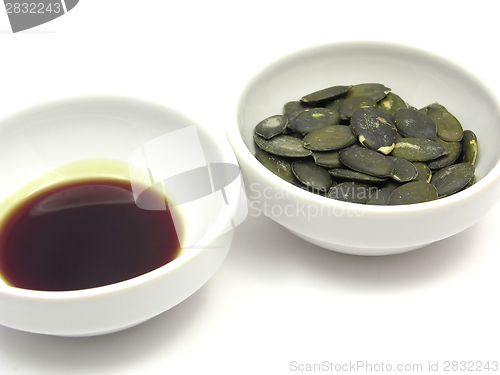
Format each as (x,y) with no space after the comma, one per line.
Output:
(83,235)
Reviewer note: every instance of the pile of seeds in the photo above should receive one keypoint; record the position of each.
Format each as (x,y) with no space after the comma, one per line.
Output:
(366,145)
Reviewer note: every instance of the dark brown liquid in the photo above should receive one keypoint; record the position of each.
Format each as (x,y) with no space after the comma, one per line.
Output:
(84,235)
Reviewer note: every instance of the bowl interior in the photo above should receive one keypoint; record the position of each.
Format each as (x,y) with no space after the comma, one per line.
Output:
(45,137)
(418,77)
(150,139)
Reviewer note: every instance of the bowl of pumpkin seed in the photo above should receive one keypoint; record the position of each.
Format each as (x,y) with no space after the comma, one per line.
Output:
(367,148)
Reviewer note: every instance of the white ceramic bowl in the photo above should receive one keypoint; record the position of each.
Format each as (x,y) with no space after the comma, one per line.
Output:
(38,141)
(418,77)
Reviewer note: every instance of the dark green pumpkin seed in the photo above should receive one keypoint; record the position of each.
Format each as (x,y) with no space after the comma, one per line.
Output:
(366,161)
(404,170)
(282,145)
(329,138)
(451,179)
(324,95)
(415,124)
(323,193)
(391,103)
(291,133)
(413,192)
(357,144)
(433,105)
(418,149)
(301,186)
(470,183)
(349,105)
(278,165)
(349,174)
(449,128)
(327,159)
(291,115)
(353,192)
(380,196)
(453,150)
(424,172)
(374,129)
(313,119)
(294,106)
(376,91)
(312,175)
(334,105)
(271,126)
(469,147)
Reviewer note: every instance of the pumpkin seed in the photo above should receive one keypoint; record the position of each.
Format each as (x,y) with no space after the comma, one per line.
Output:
(366,161)
(349,174)
(433,105)
(291,133)
(357,144)
(353,192)
(278,165)
(469,147)
(334,105)
(323,193)
(282,145)
(327,159)
(424,172)
(312,175)
(391,103)
(300,185)
(404,171)
(413,192)
(453,150)
(313,119)
(294,106)
(451,179)
(470,183)
(349,105)
(324,95)
(414,124)
(374,129)
(418,149)
(291,115)
(271,126)
(381,196)
(329,138)
(376,91)
(449,128)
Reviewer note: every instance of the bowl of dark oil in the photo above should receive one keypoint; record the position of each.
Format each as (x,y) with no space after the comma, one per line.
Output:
(112,210)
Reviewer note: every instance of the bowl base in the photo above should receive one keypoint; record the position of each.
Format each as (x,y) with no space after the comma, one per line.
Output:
(103,332)
(353,250)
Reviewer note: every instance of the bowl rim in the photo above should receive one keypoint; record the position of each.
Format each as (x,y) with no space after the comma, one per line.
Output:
(242,86)
(77,295)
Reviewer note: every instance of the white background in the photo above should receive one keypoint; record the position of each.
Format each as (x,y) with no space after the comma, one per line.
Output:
(276,299)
